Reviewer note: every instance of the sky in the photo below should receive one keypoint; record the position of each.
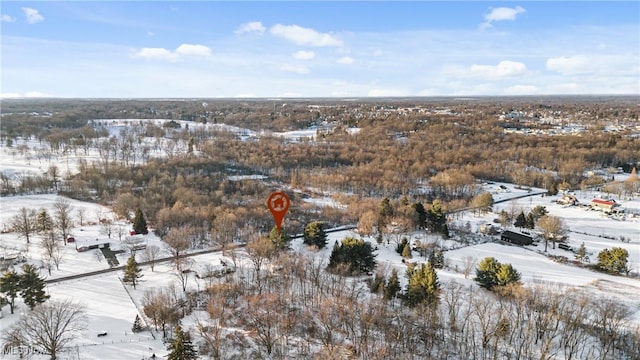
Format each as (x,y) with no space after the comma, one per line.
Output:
(266,49)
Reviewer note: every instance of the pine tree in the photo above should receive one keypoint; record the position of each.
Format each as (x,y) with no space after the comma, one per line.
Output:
(491,273)
(377,283)
(613,261)
(137,325)
(139,223)
(421,214)
(355,253)
(406,252)
(581,254)
(438,261)
(423,287)
(401,245)
(279,239)
(521,220)
(437,220)
(314,234)
(486,272)
(44,222)
(32,286)
(393,286)
(10,287)
(507,275)
(181,347)
(132,272)
(530,221)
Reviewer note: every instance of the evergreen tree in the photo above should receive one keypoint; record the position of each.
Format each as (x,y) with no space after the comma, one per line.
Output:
(436,258)
(385,208)
(377,283)
(181,347)
(530,221)
(32,286)
(581,254)
(521,220)
(437,220)
(613,261)
(10,287)
(137,325)
(406,252)
(423,287)
(132,272)
(356,254)
(491,273)
(400,247)
(280,239)
(421,214)
(538,211)
(393,286)
(314,234)
(44,222)
(139,223)
(507,275)
(486,272)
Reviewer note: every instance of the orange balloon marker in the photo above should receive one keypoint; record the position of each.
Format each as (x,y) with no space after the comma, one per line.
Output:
(278,204)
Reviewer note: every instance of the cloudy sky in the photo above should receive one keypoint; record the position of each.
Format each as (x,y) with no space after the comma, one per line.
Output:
(318,49)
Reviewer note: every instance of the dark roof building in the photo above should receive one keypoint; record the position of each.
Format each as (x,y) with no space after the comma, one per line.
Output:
(516,238)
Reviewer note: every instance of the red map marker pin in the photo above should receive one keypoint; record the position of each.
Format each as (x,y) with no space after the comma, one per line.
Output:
(278,204)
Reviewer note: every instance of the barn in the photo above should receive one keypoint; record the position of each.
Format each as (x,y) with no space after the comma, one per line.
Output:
(516,238)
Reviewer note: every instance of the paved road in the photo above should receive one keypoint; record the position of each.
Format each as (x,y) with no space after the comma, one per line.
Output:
(165,259)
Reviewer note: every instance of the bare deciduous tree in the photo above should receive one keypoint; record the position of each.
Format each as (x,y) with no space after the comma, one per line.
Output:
(553,229)
(179,240)
(260,250)
(151,254)
(62,211)
(50,327)
(25,222)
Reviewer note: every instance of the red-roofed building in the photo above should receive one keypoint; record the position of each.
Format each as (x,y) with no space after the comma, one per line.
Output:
(603,205)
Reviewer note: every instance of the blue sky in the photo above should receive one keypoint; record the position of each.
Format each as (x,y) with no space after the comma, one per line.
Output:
(318,49)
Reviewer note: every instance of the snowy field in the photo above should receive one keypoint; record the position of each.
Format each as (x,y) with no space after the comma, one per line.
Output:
(112,307)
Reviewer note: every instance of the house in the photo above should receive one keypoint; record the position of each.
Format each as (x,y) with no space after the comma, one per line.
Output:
(86,245)
(607,206)
(568,200)
(516,238)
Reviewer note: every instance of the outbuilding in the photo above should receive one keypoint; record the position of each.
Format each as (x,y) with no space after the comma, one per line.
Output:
(516,238)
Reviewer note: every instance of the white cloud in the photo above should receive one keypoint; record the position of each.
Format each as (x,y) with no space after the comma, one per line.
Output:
(504,68)
(162,54)
(32,15)
(7,18)
(522,90)
(345,60)
(304,55)
(295,68)
(154,54)
(571,65)
(501,14)
(254,27)
(151,33)
(193,50)
(304,36)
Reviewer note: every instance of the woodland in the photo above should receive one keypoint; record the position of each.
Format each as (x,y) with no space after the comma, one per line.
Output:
(387,161)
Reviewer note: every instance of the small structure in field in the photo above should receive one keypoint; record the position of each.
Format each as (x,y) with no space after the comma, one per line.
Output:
(516,238)
(607,206)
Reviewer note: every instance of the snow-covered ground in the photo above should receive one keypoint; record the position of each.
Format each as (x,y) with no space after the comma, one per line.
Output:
(112,307)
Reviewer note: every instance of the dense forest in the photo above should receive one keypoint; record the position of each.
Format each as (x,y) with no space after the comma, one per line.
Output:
(417,149)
